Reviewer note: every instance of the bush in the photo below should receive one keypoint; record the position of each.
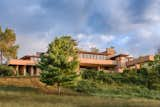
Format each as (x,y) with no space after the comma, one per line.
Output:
(143,72)
(142,77)
(6,71)
(86,87)
(90,74)
(97,76)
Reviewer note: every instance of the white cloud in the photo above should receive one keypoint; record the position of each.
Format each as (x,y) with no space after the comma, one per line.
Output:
(100,41)
(32,20)
(80,36)
(107,38)
(34,9)
(152,13)
(30,44)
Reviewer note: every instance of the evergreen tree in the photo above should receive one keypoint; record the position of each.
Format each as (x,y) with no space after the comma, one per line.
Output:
(59,63)
(8,49)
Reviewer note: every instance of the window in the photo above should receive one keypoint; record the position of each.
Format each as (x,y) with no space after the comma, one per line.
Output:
(92,56)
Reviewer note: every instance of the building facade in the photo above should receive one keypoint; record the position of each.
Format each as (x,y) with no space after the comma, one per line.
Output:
(26,66)
(107,61)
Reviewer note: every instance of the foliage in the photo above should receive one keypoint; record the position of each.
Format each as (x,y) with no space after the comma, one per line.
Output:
(98,76)
(147,76)
(155,65)
(90,74)
(60,62)
(86,86)
(8,49)
(6,71)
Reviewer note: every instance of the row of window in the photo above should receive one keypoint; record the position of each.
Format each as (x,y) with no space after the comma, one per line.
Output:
(92,56)
(35,59)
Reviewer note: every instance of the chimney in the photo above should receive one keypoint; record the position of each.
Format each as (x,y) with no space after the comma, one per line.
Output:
(110,51)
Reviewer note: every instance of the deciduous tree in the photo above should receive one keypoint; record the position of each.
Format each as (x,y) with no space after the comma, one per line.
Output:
(8,49)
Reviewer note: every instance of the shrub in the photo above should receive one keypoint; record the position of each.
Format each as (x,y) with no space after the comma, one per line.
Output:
(90,74)
(143,72)
(97,76)
(84,86)
(142,77)
(6,71)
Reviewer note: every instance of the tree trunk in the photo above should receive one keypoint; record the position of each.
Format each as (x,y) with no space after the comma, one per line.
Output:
(1,58)
(59,89)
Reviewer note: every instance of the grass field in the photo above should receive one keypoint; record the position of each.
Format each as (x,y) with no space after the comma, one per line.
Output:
(11,96)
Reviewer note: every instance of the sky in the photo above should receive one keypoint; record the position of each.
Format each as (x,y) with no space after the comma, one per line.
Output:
(131,26)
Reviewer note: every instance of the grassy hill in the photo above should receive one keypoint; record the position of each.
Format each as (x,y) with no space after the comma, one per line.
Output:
(30,92)
(11,96)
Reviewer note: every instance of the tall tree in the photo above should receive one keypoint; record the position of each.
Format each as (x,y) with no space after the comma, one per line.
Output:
(59,63)
(8,49)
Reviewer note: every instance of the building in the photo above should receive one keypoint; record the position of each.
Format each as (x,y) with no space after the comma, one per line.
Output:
(26,65)
(108,61)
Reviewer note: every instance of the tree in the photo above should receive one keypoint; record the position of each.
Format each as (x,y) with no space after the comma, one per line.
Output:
(6,71)
(60,62)
(8,49)
(154,66)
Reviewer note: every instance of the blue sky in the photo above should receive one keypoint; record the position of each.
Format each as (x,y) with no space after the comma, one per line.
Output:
(131,26)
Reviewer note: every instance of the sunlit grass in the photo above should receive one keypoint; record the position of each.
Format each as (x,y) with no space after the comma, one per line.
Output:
(30,97)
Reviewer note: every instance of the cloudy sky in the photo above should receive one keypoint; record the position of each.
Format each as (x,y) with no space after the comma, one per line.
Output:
(131,26)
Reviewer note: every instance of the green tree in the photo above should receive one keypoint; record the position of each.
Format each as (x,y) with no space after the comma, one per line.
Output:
(60,62)
(6,71)
(153,66)
(8,49)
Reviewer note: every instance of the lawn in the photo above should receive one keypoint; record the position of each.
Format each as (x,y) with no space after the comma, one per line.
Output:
(11,96)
